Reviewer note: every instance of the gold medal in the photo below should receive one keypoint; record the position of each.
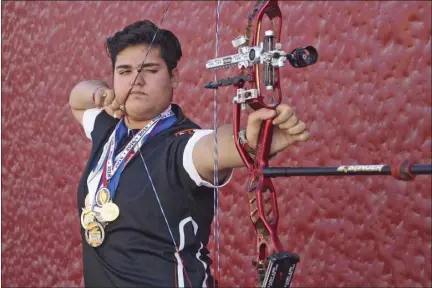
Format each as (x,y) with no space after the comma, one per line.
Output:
(94,234)
(109,212)
(103,196)
(87,216)
(99,217)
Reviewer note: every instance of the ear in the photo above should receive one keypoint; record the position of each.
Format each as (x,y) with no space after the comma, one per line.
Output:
(175,78)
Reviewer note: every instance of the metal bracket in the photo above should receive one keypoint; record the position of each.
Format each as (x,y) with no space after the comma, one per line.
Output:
(243,96)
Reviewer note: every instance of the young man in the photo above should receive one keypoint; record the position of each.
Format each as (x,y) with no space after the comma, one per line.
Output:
(145,198)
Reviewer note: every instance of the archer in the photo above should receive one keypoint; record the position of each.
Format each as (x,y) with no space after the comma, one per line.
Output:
(145,198)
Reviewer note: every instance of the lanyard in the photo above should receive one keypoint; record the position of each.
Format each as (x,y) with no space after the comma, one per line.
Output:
(107,171)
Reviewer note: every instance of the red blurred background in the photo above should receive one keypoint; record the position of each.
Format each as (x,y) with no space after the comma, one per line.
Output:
(367,101)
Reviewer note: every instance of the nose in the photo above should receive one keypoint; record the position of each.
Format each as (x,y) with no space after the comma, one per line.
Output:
(139,78)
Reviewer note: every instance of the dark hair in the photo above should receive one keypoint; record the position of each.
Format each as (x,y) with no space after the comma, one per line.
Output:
(142,32)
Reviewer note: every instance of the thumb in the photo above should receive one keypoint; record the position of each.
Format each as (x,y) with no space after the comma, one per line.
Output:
(254,122)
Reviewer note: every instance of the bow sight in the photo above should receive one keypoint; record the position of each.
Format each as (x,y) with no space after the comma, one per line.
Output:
(268,54)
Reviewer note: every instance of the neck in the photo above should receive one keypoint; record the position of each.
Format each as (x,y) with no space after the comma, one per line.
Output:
(133,124)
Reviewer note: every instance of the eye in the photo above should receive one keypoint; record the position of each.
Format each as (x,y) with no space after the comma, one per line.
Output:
(123,72)
(151,71)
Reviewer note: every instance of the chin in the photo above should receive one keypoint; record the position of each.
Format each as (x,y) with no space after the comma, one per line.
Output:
(141,113)
(144,109)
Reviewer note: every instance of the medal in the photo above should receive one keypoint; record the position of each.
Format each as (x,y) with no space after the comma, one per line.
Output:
(99,217)
(87,216)
(94,234)
(109,212)
(99,208)
(102,196)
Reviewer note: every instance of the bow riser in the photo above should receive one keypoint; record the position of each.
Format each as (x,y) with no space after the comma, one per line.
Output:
(263,207)
(258,187)
(268,215)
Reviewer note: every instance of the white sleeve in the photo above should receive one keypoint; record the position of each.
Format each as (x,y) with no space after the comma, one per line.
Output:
(88,120)
(188,162)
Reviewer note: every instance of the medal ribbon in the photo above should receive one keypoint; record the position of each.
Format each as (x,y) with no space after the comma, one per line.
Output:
(110,174)
(111,181)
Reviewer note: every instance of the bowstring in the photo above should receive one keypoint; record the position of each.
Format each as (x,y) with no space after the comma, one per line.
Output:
(142,157)
(148,50)
(216,155)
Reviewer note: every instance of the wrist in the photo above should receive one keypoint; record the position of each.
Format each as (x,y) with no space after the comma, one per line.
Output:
(244,143)
(248,148)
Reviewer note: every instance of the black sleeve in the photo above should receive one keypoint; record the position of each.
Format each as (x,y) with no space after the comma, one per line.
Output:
(104,125)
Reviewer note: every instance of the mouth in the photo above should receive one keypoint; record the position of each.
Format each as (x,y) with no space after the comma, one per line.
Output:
(137,93)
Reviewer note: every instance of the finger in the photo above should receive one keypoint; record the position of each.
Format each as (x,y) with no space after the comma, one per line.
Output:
(98,98)
(302,137)
(118,114)
(284,112)
(291,122)
(256,117)
(115,105)
(109,96)
(109,110)
(297,129)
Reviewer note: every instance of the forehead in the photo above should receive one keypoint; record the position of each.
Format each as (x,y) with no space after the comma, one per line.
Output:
(134,55)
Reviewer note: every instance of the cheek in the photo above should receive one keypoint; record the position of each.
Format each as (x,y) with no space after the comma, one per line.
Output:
(166,92)
(157,87)
(120,88)
(169,85)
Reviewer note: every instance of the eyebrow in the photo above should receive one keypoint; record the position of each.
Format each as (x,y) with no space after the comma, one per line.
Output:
(146,65)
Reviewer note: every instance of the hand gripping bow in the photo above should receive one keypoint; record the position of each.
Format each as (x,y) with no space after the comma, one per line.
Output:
(259,63)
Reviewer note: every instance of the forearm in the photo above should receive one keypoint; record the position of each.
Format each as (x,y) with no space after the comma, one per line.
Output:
(81,96)
(228,156)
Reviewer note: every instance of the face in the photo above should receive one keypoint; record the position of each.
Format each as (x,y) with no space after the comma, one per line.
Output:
(153,88)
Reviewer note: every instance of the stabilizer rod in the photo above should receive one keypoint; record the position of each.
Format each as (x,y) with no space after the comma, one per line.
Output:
(404,171)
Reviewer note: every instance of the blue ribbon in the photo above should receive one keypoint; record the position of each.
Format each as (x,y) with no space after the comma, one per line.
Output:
(120,133)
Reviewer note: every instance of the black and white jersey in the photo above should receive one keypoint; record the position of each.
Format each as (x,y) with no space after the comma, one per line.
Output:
(138,250)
